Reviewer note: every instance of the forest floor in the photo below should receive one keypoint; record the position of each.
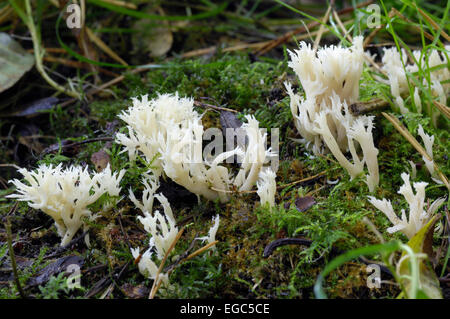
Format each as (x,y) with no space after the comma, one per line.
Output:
(232,55)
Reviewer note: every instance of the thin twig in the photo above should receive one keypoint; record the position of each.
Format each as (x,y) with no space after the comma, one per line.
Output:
(443,108)
(433,23)
(349,37)
(288,35)
(169,269)
(197,252)
(104,86)
(76,64)
(104,47)
(99,285)
(62,249)
(374,229)
(212,49)
(359,108)
(10,165)
(408,136)
(341,25)
(219,108)
(322,26)
(285,38)
(91,140)
(123,231)
(307,179)
(200,250)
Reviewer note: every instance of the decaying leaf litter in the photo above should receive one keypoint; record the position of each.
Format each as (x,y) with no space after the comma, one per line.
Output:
(316,236)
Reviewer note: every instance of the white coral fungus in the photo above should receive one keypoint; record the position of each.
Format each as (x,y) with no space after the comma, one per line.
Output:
(396,66)
(330,79)
(161,227)
(418,216)
(428,141)
(267,187)
(169,133)
(212,231)
(148,122)
(65,194)
(147,267)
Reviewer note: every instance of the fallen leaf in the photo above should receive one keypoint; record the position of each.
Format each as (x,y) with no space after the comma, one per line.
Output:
(6,272)
(229,120)
(34,108)
(155,38)
(160,41)
(111,127)
(21,263)
(55,268)
(135,292)
(100,160)
(14,61)
(304,203)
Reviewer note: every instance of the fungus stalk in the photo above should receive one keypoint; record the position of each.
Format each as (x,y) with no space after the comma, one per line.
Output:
(395,64)
(330,79)
(428,141)
(267,187)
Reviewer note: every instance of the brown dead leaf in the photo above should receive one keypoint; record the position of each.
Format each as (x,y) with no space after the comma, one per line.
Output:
(156,38)
(304,203)
(55,268)
(100,160)
(160,41)
(135,292)
(34,108)
(14,61)
(229,120)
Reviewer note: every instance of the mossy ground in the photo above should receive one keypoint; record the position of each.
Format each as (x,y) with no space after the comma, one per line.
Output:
(236,269)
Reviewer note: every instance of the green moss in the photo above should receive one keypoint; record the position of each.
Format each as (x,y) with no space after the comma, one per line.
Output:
(237,269)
